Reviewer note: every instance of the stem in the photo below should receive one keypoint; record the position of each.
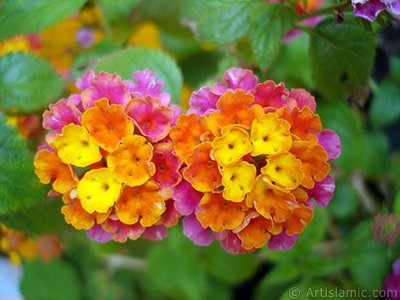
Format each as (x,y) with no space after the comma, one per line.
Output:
(118,261)
(325,10)
(365,197)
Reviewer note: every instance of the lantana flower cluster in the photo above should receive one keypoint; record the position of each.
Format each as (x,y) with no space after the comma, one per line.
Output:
(242,166)
(255,155)
(108,154)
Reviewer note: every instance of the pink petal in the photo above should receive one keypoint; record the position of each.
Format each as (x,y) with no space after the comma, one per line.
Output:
(322,191)
(303,98)
(176,110)
(331,142)
(107,86)
(195,232)
(147,85)
(268,94)
(45,146)
(76,100)
(233,244)
(83,82)
(151,117)
(236,78)
(310,203)
(121,232)
(202,101)
(368,9)
(282,241)
(98,234)
(167,168)
(61,114)
(186,198)
(155,232)
(219,236)
(171,216)
(53,193)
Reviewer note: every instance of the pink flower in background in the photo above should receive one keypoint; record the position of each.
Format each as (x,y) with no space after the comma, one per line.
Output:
(386,228)
(370,9)
(392,282)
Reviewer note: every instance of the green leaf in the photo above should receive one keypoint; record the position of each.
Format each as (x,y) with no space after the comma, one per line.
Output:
(394,64)
(230,268)
(313,290)
(368,261)
(271,21)
(126,62)
(21,17)
(220,21)
(385,106)
(85,60)
(348,125)
(20,188)
(318,266)
(395,170)
(369,269)
(396,206)
(38,219)
(113,10)
(341,57)
(344,202)
(376,158)
(27,82)
(277,280)
(205,64)
(219,291)
(55,280)
(291,65)
(176,267)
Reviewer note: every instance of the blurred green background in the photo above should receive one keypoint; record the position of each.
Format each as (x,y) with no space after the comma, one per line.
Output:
(190,44)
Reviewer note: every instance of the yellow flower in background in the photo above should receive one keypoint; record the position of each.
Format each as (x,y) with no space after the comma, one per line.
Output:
(146,34)
(61,43)
(19,43)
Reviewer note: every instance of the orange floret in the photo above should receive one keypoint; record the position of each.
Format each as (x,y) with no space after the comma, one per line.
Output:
(202,172)
(236,109)
(304,124)
(256,233)
(189,132)
(50,169)
(270,134)
(130,162)
(140,202)
(314,159)
(77,216)
(296,223)
(271,202)
(229,148)
(107,125)
(220,214)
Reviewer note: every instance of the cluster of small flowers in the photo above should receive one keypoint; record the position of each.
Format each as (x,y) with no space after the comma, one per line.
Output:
(110,157)
(243,164)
